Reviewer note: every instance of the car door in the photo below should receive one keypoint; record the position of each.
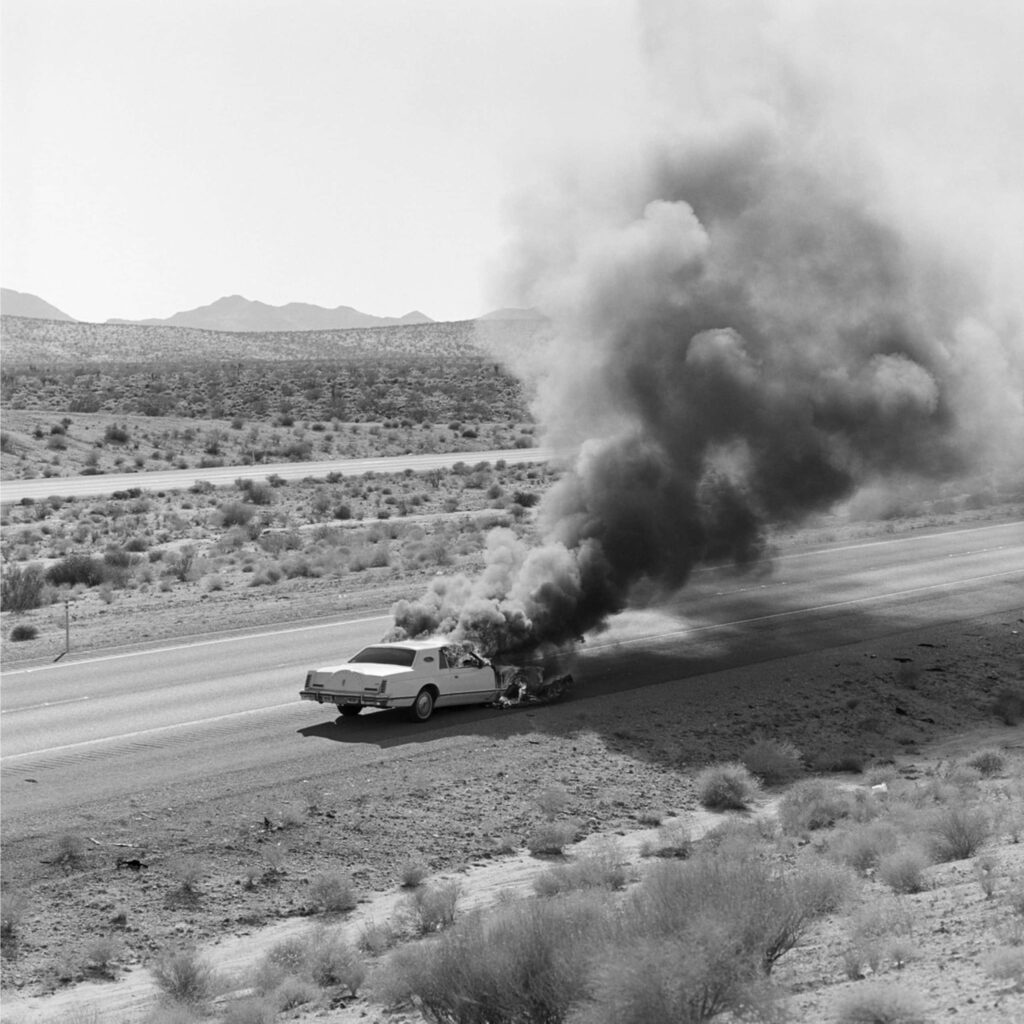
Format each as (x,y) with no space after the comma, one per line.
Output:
(470,679)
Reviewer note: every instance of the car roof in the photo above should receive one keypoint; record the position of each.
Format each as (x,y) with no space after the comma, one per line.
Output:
(413,645)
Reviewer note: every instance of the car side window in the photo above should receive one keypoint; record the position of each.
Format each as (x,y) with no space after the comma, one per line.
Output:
(442,658)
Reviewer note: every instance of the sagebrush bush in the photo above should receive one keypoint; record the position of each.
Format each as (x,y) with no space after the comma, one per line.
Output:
(251,1010)
(184,976)
(726,787)
(988,762)
(412,873)
(958,832)
(75,569)
(774,762)
(684,980)
(879,932)
(21,588)
(525,961)
(863,846)
(813,804)
(878,1002)
(765,907)
(13,907)
(431,908)
(1007,964)
(550,838)
(672,840)
(604,868)
(332,892)
(236,513)
(1008,705)
(334,963)
(23,632)
(285,959)
(903,870)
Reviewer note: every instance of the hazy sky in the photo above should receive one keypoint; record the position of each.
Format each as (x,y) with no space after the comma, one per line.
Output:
(158,154)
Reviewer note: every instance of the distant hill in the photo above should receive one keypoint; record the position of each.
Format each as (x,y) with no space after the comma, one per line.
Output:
(14,303)
(236,313)
(29,341)
(513,313)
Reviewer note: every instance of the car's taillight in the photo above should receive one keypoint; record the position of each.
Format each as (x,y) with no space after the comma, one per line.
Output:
(383,686)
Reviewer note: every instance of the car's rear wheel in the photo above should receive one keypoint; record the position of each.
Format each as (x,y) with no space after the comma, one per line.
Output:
(423,706)
(350,710)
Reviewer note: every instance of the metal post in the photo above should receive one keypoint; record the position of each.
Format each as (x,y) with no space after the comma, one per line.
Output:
(67,625)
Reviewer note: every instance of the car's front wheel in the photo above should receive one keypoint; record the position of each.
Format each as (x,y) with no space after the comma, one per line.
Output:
(423,706)
(350,710)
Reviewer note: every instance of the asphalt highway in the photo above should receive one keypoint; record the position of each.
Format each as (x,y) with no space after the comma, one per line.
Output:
(211,713)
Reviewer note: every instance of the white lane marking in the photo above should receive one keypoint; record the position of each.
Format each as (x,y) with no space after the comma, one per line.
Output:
(45,704)
(801,611)
(613,643)
(143,732)
(199,643)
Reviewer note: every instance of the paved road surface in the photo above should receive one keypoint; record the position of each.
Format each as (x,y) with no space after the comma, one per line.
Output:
(215,712)
(177,479)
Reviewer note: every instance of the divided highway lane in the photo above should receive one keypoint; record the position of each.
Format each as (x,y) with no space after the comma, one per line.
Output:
(219,713)
(221,476)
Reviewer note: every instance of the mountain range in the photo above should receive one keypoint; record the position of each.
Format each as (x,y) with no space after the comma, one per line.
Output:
(235,313)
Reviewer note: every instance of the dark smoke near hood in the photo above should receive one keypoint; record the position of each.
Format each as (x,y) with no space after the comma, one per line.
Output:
(743,336)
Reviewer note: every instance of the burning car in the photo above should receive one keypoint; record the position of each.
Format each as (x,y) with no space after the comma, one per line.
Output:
(419,675)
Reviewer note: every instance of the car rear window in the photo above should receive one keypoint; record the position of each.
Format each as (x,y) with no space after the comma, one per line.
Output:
(384,656)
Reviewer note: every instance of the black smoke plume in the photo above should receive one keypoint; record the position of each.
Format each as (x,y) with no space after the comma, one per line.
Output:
(745,331)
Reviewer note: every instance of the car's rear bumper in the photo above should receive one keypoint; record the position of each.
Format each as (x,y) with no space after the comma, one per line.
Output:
(353,699)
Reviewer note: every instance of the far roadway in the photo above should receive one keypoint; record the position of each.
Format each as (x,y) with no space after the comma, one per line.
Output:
(222,476)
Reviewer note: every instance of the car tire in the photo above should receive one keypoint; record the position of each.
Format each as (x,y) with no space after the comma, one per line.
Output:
(350,710)
(423,706)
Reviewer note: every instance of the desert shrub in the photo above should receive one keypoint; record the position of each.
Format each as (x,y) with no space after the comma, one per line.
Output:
(23,632)
(903,870)
(550,837)
(102,952)
(958,832)
(333,962)
(878,1002)
(342,512)
(431,908)
(684,980)
(525,962)
(293,992)
(604,868)
(75,569)
(184,976)
(726,787)
(376,937)
(68,850)
(1007,964)
(251,1010)
(986,870)
(332,892)
(21,589)
(254,492)
(13,907)
(187,872)
(236,513)
(765,907)
(412,873)
(988,762)
(287,958)
(371,556)
(879,932)
(863,846)
(551,801)
(813,804)
(673,840)
(266,575)
(1008,705)
(527,499)
(774,762)
(115,434)
(276,542)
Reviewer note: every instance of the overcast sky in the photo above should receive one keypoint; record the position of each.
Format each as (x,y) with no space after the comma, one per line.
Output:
(158,154)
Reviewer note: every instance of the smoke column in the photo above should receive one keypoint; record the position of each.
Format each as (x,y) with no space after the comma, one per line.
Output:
(780,300)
